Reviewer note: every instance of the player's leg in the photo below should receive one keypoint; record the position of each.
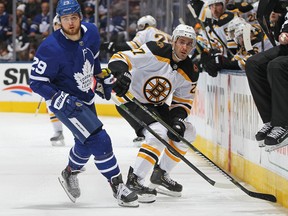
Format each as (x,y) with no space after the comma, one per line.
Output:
(78,156)
(57,139)
(100,146)
(160,178)
(278,80)
(256,71)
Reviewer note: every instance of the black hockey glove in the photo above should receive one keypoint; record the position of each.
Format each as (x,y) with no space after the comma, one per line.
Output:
(104,84)
(179,126)
(107,46)
(211,62)
(69,105)
(121,86)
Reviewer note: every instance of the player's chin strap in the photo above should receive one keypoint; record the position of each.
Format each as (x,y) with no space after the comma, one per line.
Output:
(263,196)
(175,55)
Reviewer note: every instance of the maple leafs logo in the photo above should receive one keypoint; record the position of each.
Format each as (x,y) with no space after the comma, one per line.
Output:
(84,79)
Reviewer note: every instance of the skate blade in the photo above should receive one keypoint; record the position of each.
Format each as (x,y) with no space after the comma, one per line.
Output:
(133,204)
(63,184)
(58,143)
(162,190)
(146,198)
(275,147)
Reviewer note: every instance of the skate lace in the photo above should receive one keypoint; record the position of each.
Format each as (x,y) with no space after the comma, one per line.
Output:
(169,180)
(73,181)
(277,132)
(123,190)
(267,126)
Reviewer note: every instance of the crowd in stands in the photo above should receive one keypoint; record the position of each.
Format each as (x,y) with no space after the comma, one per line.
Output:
(33,24)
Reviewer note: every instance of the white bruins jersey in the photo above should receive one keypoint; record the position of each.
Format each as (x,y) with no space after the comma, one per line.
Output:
(149,34)
(155,76)
(258,46)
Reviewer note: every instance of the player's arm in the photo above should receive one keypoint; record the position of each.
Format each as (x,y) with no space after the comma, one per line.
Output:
(118,65)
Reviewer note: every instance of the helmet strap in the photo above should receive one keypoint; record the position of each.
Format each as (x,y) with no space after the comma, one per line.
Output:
(174,53)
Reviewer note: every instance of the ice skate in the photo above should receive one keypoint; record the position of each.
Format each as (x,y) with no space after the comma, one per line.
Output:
(277,138)
(69,181)
(164,184)
(262,133)
(124,196)
(145,194)
(57,139)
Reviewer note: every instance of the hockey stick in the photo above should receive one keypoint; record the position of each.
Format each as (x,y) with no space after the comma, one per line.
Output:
(192,11)
(184,159)
(247,38)
(264,196)
(38,107)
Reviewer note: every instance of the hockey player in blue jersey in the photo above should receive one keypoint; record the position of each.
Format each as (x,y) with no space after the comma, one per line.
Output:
(62,72)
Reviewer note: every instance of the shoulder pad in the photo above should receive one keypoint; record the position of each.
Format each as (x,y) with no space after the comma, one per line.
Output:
(244,7)
(159,48)
(225,18)
(231,7)
(188,67)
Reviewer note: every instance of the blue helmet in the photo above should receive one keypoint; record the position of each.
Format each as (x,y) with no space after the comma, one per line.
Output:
(65,7)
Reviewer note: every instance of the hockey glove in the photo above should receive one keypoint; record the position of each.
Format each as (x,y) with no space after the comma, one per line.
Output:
(107,46)
(211,62)
(69,105)
(179,126)
(104,84)
(121,86)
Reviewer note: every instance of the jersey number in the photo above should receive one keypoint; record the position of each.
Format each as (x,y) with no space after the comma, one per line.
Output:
(39,66)
(138,51)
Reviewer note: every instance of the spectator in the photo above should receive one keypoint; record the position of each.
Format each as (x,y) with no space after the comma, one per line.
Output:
(33,7)
(5,55)
(22,45)
(88,12)
(22,19)
(4,23)
(40,25)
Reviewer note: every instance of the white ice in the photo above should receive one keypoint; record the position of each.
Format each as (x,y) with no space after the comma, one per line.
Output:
(29,167)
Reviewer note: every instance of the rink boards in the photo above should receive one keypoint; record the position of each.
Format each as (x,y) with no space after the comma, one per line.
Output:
(224,114)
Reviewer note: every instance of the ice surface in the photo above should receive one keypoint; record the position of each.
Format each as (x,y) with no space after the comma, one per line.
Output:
(29,167)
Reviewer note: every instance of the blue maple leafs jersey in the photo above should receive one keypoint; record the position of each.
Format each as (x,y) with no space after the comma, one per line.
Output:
(66,65)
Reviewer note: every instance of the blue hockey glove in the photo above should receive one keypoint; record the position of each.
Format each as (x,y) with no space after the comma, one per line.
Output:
(121,86)
(69,105)
(179,126)
(104,85)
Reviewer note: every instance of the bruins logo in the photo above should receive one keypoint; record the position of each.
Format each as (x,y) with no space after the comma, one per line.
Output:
(157,89)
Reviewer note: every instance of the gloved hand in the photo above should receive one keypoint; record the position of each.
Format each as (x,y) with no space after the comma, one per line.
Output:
(179,126)
(107,46)
(104,84)
(69,105)
(211,62)
(121,86)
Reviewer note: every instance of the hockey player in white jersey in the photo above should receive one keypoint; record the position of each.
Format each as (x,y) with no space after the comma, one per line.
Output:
(62,73)
(152,73)
(147,31)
